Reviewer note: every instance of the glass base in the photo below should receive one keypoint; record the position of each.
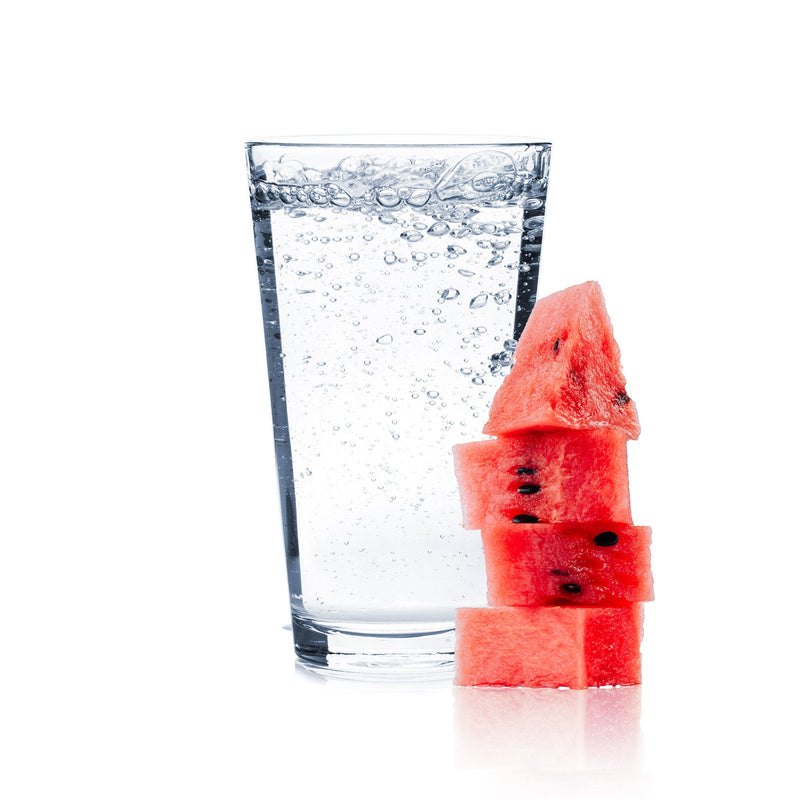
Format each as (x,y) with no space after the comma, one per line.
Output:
(375,650)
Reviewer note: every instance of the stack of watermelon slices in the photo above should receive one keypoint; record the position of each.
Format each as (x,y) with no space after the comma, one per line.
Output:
(567,570)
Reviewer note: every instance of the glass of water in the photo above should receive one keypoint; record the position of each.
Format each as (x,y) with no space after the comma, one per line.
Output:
(395,277)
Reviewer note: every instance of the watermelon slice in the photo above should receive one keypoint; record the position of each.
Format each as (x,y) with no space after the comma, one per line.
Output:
(588,564)
(566,371)
(557,476)
(548,646)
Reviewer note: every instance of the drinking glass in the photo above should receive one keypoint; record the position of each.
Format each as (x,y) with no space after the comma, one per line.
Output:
(396,277)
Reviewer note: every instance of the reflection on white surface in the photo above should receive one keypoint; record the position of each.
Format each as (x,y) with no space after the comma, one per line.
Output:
(343,682)
(581,743)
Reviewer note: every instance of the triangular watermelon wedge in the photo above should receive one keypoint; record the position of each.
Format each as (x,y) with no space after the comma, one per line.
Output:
(566,371)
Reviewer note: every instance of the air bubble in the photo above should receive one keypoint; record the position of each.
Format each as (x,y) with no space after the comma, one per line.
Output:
(354,256)
(439,229)
(501,298)
(338,196)
(454,251)
(479,301)
(484,182)
(418,197)
(385,339)
(466,273)
(419,257)
(532,203)
(419,331)
(449,294)
(390,257)
(317,196)
(305,291)
(411,236)
(533,224)
(499,360)
(477,380)
(388,197)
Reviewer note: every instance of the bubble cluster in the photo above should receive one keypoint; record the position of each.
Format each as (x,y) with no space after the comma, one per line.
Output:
(384,181)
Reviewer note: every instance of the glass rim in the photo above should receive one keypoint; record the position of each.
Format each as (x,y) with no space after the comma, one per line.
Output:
(398,140)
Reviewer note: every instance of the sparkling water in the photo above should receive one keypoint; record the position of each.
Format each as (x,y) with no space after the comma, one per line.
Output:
(394,285)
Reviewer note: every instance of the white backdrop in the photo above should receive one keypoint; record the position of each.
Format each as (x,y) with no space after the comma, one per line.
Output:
(142,585)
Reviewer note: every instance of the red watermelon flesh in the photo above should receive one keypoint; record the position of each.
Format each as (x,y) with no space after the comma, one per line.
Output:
(548,646)
(588,564)
(566,371)
(557,476)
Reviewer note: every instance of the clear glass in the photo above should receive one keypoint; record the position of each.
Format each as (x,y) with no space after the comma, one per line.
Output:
(395,279)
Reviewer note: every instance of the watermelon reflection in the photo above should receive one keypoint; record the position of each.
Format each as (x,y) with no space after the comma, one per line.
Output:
(548,730)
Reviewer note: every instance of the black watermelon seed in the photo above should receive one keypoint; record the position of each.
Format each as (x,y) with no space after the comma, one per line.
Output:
(525,471)
(572,588)
(606,539)
(621,399)
(562,572)
(529,488)
(555,346)
(525,518)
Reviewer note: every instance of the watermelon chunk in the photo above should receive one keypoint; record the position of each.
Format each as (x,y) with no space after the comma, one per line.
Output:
(548,646)
(566,371)
(589,564)
(557,476)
